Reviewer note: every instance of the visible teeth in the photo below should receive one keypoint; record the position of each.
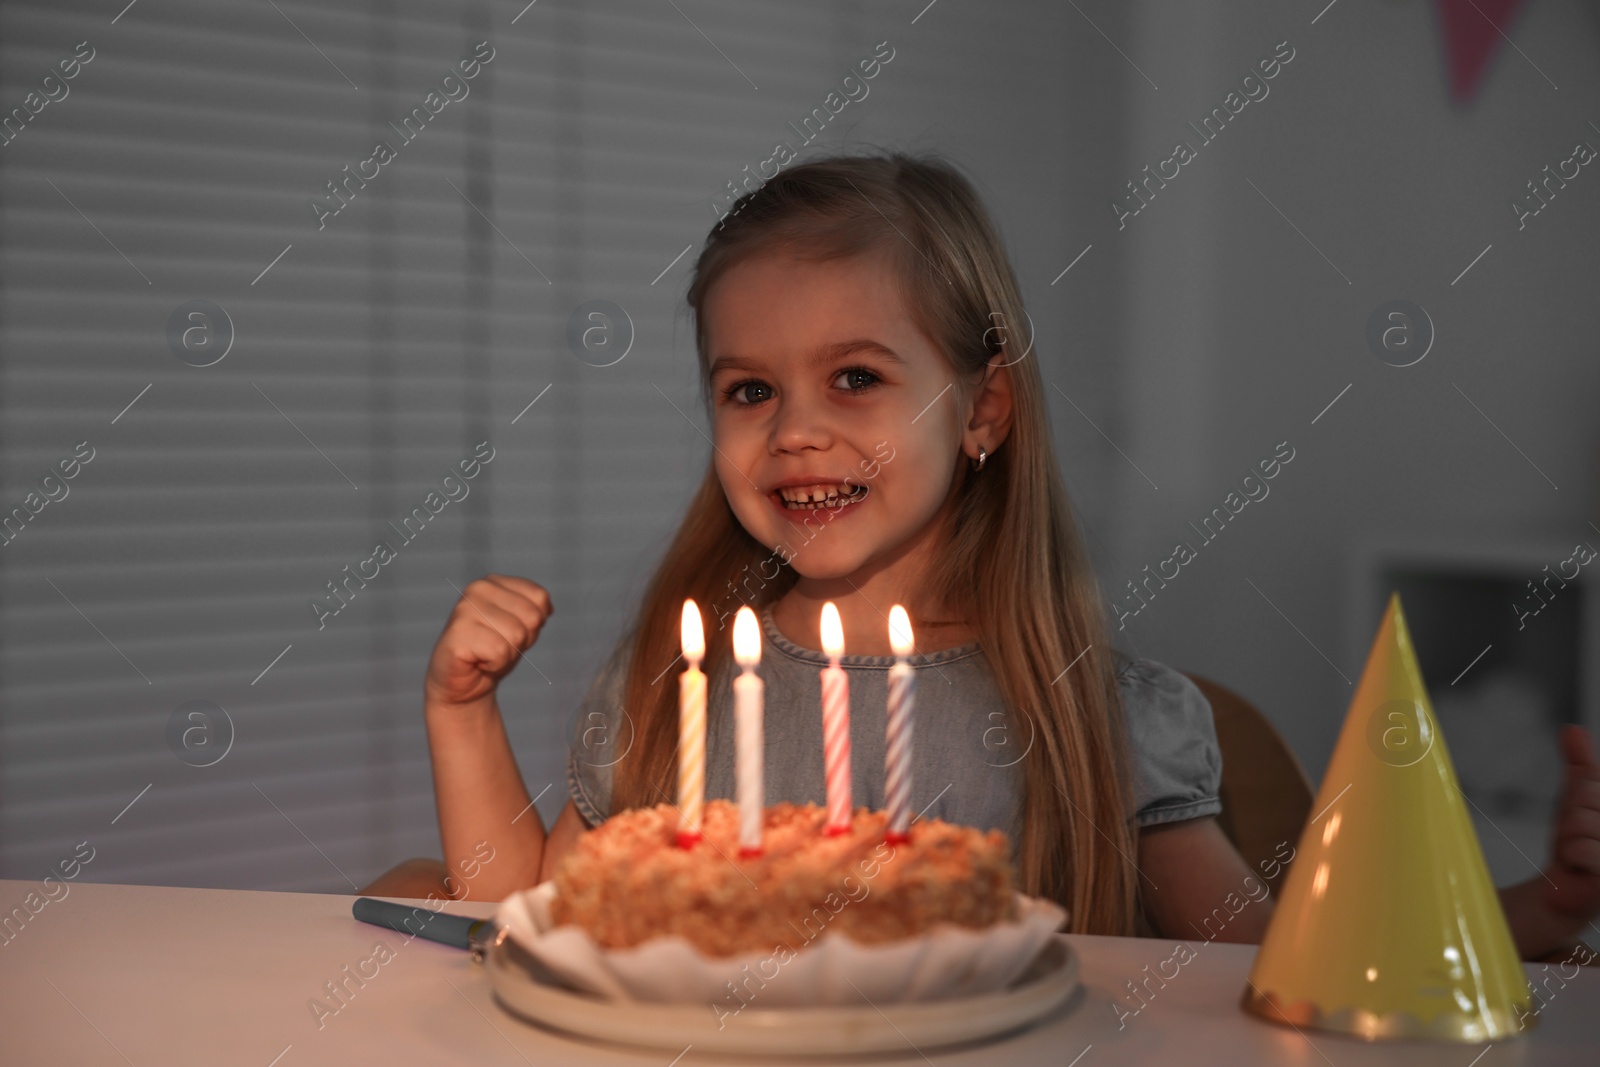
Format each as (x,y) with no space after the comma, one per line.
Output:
(811,497)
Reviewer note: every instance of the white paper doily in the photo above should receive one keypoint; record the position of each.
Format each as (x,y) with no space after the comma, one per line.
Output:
(946,962)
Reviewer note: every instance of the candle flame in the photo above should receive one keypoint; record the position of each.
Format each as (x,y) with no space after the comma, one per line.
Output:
(746,638)
(694,637)
(900,631)
(832,631)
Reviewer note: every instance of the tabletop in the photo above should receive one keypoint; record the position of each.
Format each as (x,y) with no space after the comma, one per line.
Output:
(150,975)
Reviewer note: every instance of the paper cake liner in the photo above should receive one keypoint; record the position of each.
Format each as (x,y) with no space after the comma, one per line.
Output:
(946,961)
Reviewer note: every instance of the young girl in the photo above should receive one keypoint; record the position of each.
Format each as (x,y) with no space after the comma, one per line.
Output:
(881,437)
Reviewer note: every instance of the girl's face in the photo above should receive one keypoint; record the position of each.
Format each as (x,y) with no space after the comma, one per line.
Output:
(837,428)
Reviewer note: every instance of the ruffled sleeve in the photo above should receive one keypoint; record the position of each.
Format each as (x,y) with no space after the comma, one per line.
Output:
(1172,744)
(602,734)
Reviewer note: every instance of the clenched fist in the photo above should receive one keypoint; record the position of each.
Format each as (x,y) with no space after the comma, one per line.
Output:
(497,619)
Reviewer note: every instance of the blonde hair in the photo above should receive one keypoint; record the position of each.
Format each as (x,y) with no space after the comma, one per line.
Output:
(1014,569)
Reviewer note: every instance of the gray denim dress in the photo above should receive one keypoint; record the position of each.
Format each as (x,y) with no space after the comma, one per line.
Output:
(967,748)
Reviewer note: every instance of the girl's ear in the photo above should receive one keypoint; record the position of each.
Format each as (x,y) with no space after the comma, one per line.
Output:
(992,408)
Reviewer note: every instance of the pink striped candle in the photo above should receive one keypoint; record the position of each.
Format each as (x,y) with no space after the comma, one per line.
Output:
(691,729)
(835,723)
(902,695)
(748,698)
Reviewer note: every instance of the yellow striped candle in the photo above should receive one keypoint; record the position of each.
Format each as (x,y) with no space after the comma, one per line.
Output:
(691,729)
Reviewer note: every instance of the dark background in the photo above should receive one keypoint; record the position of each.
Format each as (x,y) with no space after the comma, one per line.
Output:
(1223,319)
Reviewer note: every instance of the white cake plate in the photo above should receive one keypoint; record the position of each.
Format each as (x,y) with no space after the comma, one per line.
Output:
(525,988)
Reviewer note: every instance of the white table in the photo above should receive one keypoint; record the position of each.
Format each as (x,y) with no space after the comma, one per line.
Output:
(161,977)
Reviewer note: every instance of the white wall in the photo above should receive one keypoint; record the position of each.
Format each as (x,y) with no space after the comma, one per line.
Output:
(1190,343)
(1238,333)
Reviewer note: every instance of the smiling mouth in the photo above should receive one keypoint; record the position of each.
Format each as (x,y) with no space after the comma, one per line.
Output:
(820,497)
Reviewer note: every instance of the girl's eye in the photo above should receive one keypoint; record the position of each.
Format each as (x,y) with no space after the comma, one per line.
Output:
(857,379)
(750,391)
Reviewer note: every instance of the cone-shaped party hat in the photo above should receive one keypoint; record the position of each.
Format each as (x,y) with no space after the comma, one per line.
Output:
(1388,924)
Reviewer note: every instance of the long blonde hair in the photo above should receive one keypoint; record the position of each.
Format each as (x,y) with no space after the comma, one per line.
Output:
(1014,569)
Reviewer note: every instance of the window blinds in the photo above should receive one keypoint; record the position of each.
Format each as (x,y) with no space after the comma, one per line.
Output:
(278,339)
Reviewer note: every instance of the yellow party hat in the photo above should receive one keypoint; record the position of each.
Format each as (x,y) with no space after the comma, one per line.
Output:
(1388,924)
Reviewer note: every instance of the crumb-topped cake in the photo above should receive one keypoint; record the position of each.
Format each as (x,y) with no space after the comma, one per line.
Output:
(628,881)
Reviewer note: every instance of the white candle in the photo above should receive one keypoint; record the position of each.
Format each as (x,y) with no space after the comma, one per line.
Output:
(747,711)
(902,695)
(691,729)
(835,723)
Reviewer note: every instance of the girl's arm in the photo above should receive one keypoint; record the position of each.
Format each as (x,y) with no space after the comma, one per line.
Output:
(1195,883)
(481,798)
(570,825)
(1196,886)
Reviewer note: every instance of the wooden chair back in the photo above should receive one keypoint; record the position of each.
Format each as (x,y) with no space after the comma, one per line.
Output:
(1266,796)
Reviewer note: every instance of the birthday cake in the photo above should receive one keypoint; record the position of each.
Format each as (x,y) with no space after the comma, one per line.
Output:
(628,881)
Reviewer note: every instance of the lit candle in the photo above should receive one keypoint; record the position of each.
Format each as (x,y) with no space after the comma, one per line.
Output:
(835,722)
(902,694)
(747,712)
(691,729)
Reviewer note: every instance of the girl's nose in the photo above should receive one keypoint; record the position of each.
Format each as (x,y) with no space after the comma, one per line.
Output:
(798,426)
